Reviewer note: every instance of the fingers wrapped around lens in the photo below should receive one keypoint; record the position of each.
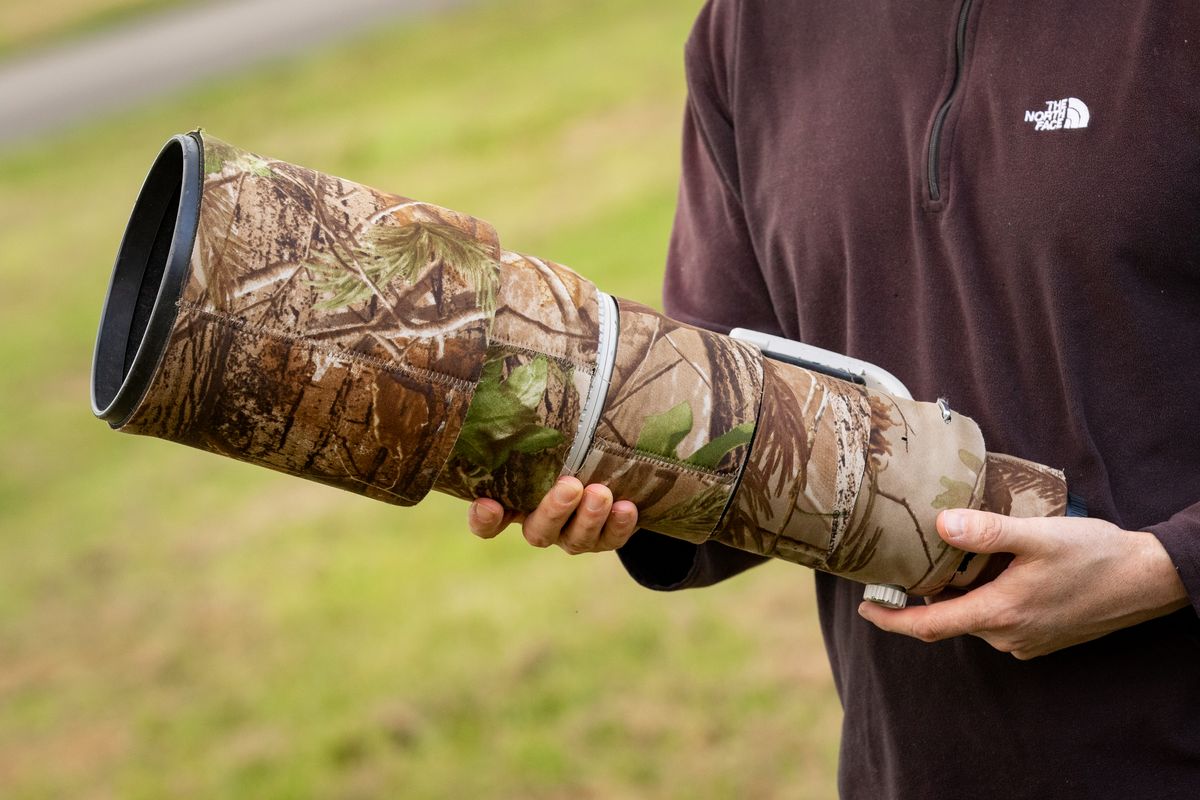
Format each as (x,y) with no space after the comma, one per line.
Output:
(542,527)
(599,524)
(577,519)
(486,518)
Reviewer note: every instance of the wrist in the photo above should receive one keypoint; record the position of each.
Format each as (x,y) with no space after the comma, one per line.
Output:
(1157,574)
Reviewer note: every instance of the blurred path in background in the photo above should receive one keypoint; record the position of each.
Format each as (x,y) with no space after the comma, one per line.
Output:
(105,73)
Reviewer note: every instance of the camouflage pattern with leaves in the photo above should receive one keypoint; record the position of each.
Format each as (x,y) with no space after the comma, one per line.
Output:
(518,430)
(802,479)
(539,367)
(677,422)
(1019,488)
(892,537)
(850,481)
(389,346)
(326,329)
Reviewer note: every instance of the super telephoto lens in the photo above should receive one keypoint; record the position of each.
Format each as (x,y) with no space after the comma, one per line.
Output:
(147,278)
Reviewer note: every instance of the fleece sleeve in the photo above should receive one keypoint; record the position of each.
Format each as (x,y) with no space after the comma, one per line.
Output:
(1180,537)
(713,279)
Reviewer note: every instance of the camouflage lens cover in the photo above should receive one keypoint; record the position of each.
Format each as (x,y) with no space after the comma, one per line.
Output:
(389,347)
(677,422)
(539,368)
(325,329)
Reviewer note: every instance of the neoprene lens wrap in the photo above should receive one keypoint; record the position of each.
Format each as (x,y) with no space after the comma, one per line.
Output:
(391,347)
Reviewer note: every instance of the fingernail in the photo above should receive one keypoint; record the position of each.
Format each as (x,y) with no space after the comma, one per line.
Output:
(566,491)
(623,516)
(594,501)
(955,524)
(485,515)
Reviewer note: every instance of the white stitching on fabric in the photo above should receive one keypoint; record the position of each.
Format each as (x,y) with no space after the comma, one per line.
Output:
(542,351)
(638,455)
(237,323)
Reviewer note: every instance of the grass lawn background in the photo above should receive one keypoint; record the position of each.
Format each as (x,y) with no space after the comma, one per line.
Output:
(176,624)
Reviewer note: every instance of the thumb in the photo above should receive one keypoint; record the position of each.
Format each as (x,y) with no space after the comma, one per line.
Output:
(984,532)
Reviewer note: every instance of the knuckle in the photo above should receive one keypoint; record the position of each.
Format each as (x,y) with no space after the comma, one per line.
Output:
(548,517)
(610,539)
(558,513)
(1025,647)
(927,630)
(575,548)
(581,536)
(589,517)
(621,535)
(536,535)
(1005,618)
(622,519)
(1018,647)
(596,503)
(1001,643)
(989,530)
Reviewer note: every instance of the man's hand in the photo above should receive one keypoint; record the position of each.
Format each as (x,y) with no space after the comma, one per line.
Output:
(1072,580)
(576,519)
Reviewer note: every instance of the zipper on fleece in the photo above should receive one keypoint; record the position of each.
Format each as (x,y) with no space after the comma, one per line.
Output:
(933,153)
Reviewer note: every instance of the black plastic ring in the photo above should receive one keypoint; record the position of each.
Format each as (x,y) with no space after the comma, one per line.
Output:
(147,280)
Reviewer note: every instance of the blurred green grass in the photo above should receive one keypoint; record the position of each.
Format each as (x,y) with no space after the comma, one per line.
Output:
(174,624)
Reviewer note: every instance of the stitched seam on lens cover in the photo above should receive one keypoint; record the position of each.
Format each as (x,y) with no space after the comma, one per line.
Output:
(638,455)
(237,323)
(560,357)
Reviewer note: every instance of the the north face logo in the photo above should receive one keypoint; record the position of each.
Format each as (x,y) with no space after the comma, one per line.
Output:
(1070,112)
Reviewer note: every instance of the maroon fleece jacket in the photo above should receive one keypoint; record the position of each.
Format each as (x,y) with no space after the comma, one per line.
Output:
(997,201)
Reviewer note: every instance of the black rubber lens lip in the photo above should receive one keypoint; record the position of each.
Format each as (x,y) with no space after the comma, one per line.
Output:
(151,266)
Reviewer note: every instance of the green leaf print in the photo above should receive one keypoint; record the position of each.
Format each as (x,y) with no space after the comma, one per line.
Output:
(527,384)
(503,416)
(711,454)
(218,156)
(214,161)
(662,433)
(957,494)
(970,460)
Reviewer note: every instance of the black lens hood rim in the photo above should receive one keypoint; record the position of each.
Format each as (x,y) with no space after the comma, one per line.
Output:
(117,314)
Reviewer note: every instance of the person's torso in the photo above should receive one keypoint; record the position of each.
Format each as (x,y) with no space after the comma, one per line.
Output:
(997,201)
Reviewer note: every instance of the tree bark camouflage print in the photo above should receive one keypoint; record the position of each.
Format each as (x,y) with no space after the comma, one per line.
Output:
(677,421)
(391,347)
